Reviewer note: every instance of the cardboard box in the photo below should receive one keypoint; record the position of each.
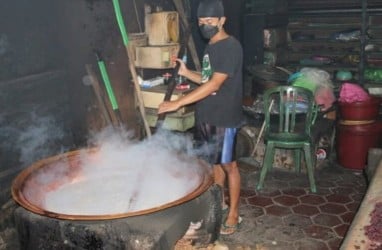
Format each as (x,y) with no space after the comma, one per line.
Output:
(172,121)
(137,40)
(152,97)
(162,28)
(156,57)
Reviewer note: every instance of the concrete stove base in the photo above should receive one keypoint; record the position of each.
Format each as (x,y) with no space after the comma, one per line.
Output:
(159,230)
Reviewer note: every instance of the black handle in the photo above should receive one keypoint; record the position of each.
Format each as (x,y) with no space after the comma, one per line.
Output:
(170,88)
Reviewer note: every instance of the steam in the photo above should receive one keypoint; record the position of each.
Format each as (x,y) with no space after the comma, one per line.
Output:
(124,175)
(34,141)
(31,139)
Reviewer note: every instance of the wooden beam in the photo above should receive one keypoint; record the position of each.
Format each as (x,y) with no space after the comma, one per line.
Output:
(186,29)
(109,116)
(133,71)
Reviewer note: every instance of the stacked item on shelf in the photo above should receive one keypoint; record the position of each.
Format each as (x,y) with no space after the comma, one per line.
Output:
(162,29)
(156,52)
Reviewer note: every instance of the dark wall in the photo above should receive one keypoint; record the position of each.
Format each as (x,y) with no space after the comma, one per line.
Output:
(27,38)
(34,123)
(45,35)
(34,114)
(86,27)
(46,107)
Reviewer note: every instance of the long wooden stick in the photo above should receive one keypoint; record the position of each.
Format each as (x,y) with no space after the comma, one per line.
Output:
(141,106)
(97,91)
(130,54)
(261,130)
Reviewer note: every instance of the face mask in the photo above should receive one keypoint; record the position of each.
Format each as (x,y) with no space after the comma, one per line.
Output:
(208,31)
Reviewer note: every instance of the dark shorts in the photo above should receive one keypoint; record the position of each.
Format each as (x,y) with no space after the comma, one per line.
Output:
(216,144)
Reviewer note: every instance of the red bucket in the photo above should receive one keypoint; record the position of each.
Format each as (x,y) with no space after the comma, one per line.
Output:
(354,142)
(360,111)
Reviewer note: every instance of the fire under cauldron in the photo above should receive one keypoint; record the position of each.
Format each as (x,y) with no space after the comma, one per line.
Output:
(158,227)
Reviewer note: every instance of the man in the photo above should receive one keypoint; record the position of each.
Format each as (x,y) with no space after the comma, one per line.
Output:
(218,101)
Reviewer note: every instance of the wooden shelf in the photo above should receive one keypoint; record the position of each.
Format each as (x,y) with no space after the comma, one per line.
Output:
(327,41)
(335,54)
(344,55)
(327,26)
(327,67)
(324,46)
(322,25)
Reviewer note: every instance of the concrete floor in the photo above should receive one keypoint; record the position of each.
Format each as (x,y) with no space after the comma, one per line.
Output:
(285,215)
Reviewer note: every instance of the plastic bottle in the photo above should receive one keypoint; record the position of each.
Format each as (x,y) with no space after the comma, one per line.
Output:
(184,59)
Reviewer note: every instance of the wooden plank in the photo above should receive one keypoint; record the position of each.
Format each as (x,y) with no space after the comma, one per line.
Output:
(137,87)
(190,43)
(32,78)
(109,116)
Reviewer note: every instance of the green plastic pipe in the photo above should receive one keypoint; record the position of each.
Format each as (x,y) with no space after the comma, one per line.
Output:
(120,22)
(106,81)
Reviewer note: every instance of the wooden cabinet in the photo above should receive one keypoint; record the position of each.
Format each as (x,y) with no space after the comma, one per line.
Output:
(181,120)
(333,41)
(373,46)
(152,97)
(328,41)
(153,60)
(372,53)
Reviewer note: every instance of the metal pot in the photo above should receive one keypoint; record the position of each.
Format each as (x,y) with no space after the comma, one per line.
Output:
(155,228)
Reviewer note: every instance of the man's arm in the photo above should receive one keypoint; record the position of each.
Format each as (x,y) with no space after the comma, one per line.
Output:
(194,76)
(199,93)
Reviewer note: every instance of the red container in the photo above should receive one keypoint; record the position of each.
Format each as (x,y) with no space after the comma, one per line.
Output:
(360,111)
(354,142)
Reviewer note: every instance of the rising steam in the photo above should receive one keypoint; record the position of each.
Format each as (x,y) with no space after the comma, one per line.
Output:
(123,175)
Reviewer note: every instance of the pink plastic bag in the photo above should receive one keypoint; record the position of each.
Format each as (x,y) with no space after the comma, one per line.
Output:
(324,97)
(351,92)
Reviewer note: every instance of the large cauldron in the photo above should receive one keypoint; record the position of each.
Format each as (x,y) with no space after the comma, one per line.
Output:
(155,228)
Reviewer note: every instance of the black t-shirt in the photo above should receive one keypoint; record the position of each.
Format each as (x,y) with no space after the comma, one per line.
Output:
(223,108)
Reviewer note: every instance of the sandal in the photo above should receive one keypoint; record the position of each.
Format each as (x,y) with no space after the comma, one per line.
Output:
(230,229)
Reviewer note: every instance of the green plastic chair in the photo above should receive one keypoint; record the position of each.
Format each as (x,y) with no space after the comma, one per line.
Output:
(289,114)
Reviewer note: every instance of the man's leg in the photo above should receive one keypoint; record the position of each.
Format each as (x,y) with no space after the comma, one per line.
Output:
(219,177)
(232,171)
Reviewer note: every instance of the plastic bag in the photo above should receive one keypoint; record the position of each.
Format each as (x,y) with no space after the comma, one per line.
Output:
(311,78)
(318,81)
(346,35)
(324,97)
(373,74)
(351,92)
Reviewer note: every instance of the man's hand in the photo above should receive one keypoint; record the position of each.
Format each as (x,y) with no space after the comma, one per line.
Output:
(168,106)
(182,67)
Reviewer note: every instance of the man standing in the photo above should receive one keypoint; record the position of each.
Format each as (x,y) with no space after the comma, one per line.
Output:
(218,102)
